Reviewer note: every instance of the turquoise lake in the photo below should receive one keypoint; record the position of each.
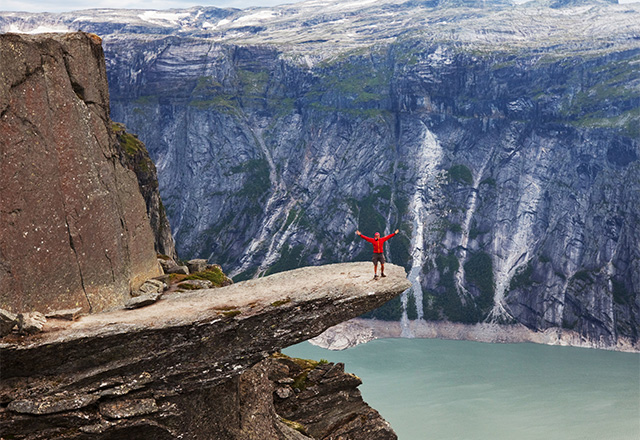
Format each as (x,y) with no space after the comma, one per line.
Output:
(460,390)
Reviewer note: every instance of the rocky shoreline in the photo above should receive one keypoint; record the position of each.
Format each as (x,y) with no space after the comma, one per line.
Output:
(359,331)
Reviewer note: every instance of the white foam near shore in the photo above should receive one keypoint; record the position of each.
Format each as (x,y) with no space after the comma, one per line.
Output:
(357,331)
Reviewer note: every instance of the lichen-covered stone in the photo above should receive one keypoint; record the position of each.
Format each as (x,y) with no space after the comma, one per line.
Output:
(196,284)
(151,287)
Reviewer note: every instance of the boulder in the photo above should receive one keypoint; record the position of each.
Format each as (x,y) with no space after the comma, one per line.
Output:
(167,264)
(142,300)
(151,287)
(197,265)
(31,323)
(8,321)
(183,270)
(67,314)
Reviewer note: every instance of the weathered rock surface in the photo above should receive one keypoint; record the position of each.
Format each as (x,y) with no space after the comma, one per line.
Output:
(151,286)
(142,300)
(67,314)
(197,265)
(325,400)
(166,370)
(182,270)
(31,323)
(167,264)
(75,232)
(8,321)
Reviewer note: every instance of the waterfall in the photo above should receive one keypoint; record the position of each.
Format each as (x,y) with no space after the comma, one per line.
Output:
(427,160)
(275,209)
(466,226)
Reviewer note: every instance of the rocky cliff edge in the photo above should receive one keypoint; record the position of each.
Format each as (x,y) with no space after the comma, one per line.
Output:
(173,368)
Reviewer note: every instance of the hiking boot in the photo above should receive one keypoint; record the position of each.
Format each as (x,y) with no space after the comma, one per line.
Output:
(383,275)
(375,277)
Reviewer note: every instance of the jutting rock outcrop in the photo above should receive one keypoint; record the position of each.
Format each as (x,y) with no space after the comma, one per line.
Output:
(173,369)
(75,231)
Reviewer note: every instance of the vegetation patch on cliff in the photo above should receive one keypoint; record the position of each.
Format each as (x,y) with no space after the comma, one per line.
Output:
(214,274)
(460,174)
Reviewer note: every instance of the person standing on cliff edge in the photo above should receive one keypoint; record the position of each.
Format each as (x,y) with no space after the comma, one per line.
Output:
(378,251)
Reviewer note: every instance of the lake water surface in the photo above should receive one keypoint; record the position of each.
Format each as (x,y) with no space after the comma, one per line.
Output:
(459,390)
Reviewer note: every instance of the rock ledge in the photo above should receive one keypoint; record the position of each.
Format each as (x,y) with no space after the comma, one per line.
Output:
(181,352)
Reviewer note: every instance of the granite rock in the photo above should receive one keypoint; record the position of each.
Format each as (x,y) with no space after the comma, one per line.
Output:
(67,314)
(31,323)
(8,321)
(197,265)
(75,230)
(187,353)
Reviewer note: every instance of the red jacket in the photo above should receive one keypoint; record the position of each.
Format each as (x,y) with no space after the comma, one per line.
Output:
(378,245)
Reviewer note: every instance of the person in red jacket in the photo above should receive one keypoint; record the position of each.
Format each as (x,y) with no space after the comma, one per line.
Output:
(378,251)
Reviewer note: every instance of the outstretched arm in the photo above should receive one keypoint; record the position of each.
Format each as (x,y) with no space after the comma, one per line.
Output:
(383,239)
(364,237)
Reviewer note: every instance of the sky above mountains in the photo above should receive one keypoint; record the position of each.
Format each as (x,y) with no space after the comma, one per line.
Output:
(73,5)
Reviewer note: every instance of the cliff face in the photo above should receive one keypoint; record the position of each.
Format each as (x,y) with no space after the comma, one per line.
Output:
(74,228)
(505,151)
(512,173)
(177,368)
(134,155)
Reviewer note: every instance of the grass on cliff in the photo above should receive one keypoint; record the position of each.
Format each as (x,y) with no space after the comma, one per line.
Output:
(134,150)
(215,275)
(129,142)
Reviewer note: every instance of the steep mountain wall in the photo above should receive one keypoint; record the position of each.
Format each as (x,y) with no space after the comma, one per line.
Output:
(75,232)
(512,176)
